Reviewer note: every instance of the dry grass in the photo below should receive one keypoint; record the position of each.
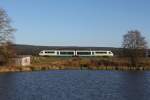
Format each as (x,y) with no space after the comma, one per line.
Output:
(93,63)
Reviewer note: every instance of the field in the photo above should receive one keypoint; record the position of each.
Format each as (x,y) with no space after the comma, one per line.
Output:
(88,62)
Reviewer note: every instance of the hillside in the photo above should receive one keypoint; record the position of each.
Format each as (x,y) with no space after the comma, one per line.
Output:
(34,50)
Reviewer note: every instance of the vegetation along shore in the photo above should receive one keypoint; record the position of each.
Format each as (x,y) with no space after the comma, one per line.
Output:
(78,63)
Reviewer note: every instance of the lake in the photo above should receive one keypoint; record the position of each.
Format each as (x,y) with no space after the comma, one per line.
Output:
(75,85)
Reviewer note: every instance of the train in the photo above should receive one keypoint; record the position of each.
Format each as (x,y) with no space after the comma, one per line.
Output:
(76,53)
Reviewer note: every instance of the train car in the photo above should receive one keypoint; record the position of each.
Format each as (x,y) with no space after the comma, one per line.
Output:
(75,53)
(57,53)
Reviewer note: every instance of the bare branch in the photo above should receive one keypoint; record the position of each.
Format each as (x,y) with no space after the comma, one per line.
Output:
(134,46)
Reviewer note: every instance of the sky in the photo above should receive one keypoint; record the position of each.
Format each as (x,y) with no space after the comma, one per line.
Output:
(100,23)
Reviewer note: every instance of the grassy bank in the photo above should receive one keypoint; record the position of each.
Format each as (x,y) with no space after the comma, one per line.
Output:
(78,63)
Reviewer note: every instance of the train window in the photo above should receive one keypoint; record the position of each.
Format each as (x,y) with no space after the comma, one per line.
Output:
(84,53)
(66,53)
(101,52)
(92,53)
(57,53)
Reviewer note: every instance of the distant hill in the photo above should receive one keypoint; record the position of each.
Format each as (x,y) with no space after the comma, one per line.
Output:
(34,50)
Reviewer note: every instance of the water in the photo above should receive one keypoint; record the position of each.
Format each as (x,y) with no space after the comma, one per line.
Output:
(75,85)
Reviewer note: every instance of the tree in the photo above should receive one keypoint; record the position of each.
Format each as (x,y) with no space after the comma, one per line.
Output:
(134,45)
(6,35)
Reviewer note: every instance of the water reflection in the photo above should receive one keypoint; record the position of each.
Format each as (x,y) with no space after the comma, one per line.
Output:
(134,85)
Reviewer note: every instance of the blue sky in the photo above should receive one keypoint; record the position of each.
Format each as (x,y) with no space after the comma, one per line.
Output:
(77,22)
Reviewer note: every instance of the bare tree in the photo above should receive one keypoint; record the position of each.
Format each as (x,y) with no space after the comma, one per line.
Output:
(134,45)
(6,35)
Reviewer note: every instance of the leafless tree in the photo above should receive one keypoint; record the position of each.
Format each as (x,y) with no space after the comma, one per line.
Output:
(134,45)
(6,35)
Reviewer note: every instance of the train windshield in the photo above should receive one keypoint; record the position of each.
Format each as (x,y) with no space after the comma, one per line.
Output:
(49,52)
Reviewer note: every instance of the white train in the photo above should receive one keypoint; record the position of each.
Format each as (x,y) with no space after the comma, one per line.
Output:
(76,53)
